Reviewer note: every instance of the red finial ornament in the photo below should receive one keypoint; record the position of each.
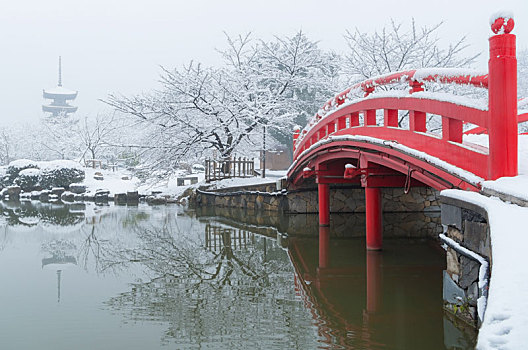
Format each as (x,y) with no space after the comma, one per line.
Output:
(502,25)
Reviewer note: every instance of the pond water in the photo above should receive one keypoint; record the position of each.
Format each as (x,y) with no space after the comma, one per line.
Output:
(89,277)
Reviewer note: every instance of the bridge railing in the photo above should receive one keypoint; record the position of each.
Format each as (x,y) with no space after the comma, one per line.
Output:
(378,117)
(347,115)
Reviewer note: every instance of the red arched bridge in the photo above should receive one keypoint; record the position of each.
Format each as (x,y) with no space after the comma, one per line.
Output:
(385,139)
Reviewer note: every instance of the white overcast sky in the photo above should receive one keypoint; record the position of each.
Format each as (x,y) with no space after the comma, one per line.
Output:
(117,45)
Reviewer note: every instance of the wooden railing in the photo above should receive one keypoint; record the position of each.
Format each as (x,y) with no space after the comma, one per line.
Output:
(229,168)
(380,116)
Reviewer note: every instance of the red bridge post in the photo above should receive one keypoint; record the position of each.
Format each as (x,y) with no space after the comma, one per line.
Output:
(324,204)
(374,281)
(296,133)
(323,190)
(373,218)
(502,89)
(324,246)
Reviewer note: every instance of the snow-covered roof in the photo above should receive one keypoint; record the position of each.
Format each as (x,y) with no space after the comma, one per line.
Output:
(54,108)
(60,91)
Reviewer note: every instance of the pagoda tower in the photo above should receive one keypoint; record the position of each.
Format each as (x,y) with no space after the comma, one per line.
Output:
(60,96)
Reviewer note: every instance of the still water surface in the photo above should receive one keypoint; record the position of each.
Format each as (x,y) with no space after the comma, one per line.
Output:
(76,277)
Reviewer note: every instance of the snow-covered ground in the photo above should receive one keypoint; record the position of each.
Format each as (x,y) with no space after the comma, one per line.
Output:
(112,180)
(122,181)
(235,182)
(169,186)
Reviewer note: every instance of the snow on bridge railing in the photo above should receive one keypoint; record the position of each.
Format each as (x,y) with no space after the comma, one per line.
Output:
(415,78)
(460,76)
(522,117)
(341,114)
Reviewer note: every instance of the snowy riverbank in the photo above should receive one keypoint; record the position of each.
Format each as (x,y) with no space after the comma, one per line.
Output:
(505,323)
(123,181)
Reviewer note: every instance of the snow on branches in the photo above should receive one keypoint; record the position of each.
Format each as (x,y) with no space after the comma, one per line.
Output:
(199,109)
(395,48)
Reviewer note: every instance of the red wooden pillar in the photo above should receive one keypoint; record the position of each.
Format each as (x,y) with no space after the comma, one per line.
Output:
(296,133)
(374,218)
(374,281)
(341,123)
(324,246)
(322,132)
(330,128)
(324,204)
(369,117)
(452,129)
(354,119)
(502,89)
(390,117)
(417,121)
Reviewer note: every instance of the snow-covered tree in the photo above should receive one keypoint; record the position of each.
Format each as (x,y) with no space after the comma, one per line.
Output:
(261,84)
(398,47)
(63,137)
(5,146)
(394,48)
(98,136)
(58,137)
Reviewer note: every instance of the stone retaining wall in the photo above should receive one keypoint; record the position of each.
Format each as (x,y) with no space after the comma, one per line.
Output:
(412,215)
(352,200)
(467,225)
(342,199)
(414,225)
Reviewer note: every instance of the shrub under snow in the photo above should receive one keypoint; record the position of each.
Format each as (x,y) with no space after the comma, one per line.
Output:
(30,175)
(29,179)
(60,173)
(16,166)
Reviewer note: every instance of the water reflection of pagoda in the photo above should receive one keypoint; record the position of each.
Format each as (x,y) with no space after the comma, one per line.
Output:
(59,260)
(60,96)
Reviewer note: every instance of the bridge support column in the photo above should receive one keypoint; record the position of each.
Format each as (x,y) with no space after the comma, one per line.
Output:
(324,246)
(374,281)
(324,204)
(374,218)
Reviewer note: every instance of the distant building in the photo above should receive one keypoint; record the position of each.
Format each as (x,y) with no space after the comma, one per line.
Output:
(60,96)
(278,159)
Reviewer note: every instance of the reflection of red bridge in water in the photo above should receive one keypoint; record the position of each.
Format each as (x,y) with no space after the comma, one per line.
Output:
(367,299)
(360,140)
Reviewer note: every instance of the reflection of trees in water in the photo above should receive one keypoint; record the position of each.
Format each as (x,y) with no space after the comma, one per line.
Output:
(178,255)
(105,234)
(238,297)
(30,214)
(91,246)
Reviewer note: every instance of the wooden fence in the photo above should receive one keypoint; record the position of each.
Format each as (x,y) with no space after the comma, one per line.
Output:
(229,168)
(218,237)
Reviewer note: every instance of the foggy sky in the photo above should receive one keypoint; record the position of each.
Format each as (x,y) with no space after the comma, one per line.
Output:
(116,46)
